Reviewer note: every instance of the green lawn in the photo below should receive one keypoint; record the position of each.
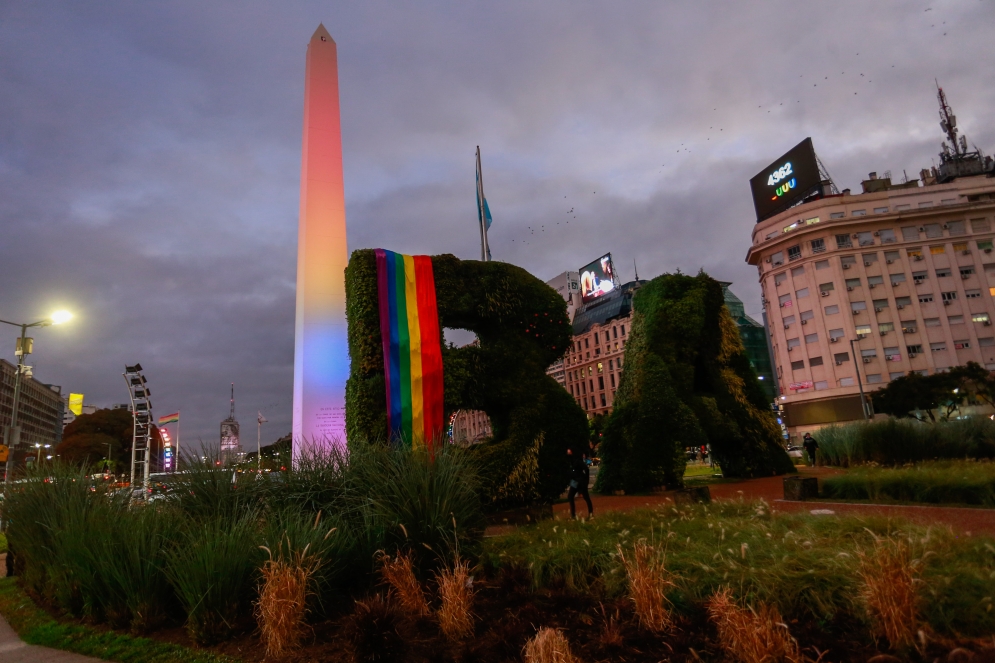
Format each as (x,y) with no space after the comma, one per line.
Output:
(36,627)
(937,482)
(806,565)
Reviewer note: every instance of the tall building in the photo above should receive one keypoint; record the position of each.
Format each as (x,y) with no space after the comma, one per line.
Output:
(321,354)
(40,408)
(567,285)
(754,336)
(470,427)
(861,289)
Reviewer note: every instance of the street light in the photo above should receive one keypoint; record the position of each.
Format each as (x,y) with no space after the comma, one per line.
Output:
(24,347)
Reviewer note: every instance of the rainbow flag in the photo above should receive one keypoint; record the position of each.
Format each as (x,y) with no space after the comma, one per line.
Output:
(412,347)
(169,419)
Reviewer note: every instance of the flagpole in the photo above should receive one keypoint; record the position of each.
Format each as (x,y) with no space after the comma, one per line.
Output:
(176,463)
(481,210)
(259,448)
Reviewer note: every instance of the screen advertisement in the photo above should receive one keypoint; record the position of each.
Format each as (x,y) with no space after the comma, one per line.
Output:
(597,279)
(786,181)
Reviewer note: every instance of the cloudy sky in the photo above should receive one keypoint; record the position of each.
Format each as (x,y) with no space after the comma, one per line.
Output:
(150,154)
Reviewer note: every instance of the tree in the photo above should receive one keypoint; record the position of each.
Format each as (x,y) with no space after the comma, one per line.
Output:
(918,396)
(975,381)
(86,439)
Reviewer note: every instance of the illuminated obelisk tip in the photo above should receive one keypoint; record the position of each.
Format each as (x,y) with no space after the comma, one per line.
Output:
(321,358)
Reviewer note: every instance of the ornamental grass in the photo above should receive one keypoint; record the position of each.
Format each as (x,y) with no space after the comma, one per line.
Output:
(281,609)
(549,645)
(455,612)
(399,573)
(889,582)
(752,635)
(648,585)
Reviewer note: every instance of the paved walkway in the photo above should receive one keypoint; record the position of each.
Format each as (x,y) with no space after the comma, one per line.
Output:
(771,489)
(12,650)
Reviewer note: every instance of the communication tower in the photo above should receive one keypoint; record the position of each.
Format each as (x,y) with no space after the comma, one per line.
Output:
(955,159)
(141,408)
(230,446)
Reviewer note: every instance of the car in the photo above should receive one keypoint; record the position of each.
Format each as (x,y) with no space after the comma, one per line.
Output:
(794,452)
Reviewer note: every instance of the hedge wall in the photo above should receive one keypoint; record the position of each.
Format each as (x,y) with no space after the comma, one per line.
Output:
(686,382)
(522,328)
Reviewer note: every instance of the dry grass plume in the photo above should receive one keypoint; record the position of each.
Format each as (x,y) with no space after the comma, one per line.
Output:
(399,573)
(648,585)
(752,635)
(548,646)
(888,587)
(282,606)
(456,596)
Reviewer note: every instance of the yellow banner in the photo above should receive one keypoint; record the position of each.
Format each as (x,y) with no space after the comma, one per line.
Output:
(76,404)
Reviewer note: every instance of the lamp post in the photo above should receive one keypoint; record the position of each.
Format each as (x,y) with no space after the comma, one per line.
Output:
(24,347)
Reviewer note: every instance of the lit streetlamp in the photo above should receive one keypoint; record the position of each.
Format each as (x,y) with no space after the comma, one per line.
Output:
(24,347)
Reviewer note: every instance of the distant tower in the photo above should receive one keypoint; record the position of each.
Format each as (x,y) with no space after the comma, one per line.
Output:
(230,447)
(321,353)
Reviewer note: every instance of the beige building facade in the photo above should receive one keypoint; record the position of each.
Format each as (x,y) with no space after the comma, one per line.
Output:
(906,272)
(593,365)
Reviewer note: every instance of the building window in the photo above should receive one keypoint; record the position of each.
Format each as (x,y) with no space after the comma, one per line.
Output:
(869,259)
(880,304)
(818,245)
(925,299)
(986,342)
(962,247)
(826,287)
(980,225)
(892,354)
(852,283)
(980,317)
(837,215)
(885,327)
(873,378)
(843,242)
(604,403)
(801,294)
(788,320)
(811,338)
(870,354)
(601,367)
(895,375)
(585,402)
(931,322)
(937,347)
(623,330)
(597,338)
(942,272)
(836,333)
(956,228)
(797,365)
(881,210)
(832,310)
(614,332)
(910,233)
(601,382)
(897,278)
(797,271)
(591,384)
(822,264)
(858,212)
(821,384)
(807,315)
(914,254)
(985,245)
(862,330)
(914,349)
(610,364)
(590,371)
(948,296)
(966,271)
(873,281)
(848,262)
(903,301)
(612,380)
(793,343)
(784,300)
(841,357)
(865,238)
(919,277)
(794,252)
(846,382)
(933,229)
(972,294)
(815,361)
(586,343)
(962,345)
(858,306)
(780,278)
(937,249)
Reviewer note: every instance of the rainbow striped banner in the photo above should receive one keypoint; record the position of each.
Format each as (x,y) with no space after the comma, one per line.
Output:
(412,348)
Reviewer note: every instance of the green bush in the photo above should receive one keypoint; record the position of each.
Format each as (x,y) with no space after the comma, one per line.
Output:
(938,482)
(902,441)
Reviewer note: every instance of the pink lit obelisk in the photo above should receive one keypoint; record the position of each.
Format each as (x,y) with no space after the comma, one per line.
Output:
(321,355)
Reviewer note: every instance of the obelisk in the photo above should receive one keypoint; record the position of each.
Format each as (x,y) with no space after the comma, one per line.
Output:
(321,355)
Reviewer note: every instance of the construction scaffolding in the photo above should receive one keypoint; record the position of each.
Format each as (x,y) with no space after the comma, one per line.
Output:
(141,408)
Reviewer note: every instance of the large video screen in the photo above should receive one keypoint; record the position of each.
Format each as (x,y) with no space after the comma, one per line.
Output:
(786,181)
(597,279)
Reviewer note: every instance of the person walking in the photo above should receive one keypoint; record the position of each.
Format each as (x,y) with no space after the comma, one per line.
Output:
(810,446)
(580,477)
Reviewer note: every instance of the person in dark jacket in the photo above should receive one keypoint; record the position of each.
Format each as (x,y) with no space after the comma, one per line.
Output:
(580,477)
(810,446)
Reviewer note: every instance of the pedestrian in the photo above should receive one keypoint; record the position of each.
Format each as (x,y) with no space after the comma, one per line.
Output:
(580,477)
(810,446)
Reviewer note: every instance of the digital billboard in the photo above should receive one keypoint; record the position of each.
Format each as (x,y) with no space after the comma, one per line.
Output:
(786,181)
(597,279)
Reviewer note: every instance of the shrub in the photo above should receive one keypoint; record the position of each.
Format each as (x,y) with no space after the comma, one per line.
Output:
(900,441)
(213,570)
(752,635)
(936,482)
(648,585)
(399,573)
(379,631)
(548,646)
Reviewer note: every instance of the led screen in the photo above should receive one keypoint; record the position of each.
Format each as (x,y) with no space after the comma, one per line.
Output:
(786,181)
(597,279)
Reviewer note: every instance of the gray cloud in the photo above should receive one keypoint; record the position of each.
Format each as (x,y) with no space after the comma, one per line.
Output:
(149,154)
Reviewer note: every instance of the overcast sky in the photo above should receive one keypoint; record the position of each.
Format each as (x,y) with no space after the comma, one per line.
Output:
(150,154)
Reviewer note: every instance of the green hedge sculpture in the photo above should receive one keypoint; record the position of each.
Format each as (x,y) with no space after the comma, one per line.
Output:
(522,327)
(687,382)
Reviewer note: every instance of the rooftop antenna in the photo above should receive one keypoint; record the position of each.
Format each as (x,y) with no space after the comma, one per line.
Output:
(948,121)
(231,415)
(635,268)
